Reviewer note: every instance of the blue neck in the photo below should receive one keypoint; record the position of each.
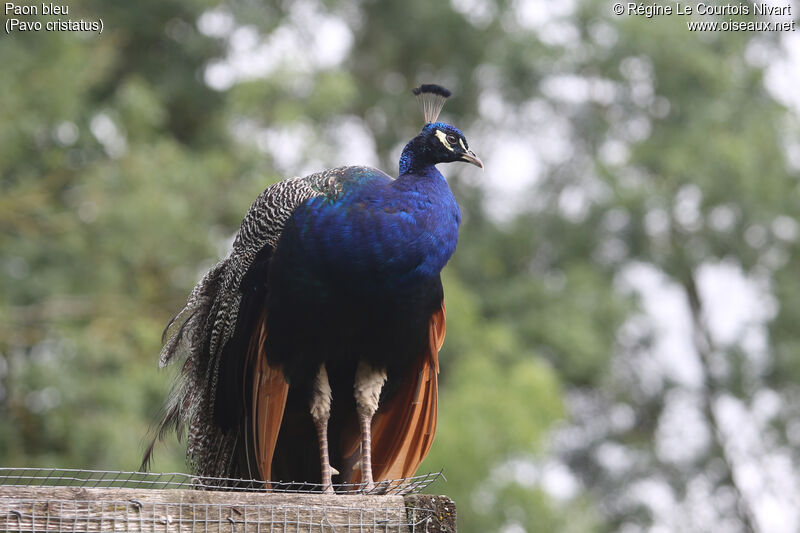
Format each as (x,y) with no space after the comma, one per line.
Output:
(415,159)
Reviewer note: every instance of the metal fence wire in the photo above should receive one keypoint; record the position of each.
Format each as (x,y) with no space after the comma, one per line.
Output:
(71,477)
(90,500)
(29,515)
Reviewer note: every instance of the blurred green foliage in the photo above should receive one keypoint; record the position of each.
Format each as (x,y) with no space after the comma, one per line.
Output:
(124,174)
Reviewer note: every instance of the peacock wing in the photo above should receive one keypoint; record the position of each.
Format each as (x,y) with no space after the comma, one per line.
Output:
(211,334)
(216,391)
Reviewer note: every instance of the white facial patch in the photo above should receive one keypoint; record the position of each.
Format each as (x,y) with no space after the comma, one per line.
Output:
(443,138)
(461,142)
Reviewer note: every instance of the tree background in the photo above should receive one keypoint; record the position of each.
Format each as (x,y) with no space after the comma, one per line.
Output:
(622,350)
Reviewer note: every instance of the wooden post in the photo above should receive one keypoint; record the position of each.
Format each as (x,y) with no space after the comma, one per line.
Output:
(45,509)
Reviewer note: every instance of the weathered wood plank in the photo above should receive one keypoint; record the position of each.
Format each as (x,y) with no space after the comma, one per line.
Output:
(102,509)
(438,512)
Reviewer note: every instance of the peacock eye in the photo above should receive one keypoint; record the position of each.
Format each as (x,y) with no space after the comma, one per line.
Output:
(452,139)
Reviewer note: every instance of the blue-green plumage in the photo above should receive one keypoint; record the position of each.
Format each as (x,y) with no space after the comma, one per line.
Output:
(353,274)
(394,232)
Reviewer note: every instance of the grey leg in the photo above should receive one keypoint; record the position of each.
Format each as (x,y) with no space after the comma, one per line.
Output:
(368,384)
(321,413)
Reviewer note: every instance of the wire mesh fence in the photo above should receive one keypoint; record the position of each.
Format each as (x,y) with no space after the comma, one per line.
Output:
(44,500)
(29,515)
(67,477)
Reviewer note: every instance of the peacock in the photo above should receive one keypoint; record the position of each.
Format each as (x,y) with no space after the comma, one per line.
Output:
(318,335)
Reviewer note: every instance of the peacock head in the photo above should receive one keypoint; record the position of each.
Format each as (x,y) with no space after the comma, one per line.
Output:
(438,142)
(446,143)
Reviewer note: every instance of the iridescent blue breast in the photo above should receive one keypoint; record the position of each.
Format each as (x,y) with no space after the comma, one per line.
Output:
(375,231)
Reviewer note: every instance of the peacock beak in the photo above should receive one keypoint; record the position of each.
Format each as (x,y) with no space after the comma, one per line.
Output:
(470,157)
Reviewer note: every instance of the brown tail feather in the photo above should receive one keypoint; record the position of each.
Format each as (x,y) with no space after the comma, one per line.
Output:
(270,391)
